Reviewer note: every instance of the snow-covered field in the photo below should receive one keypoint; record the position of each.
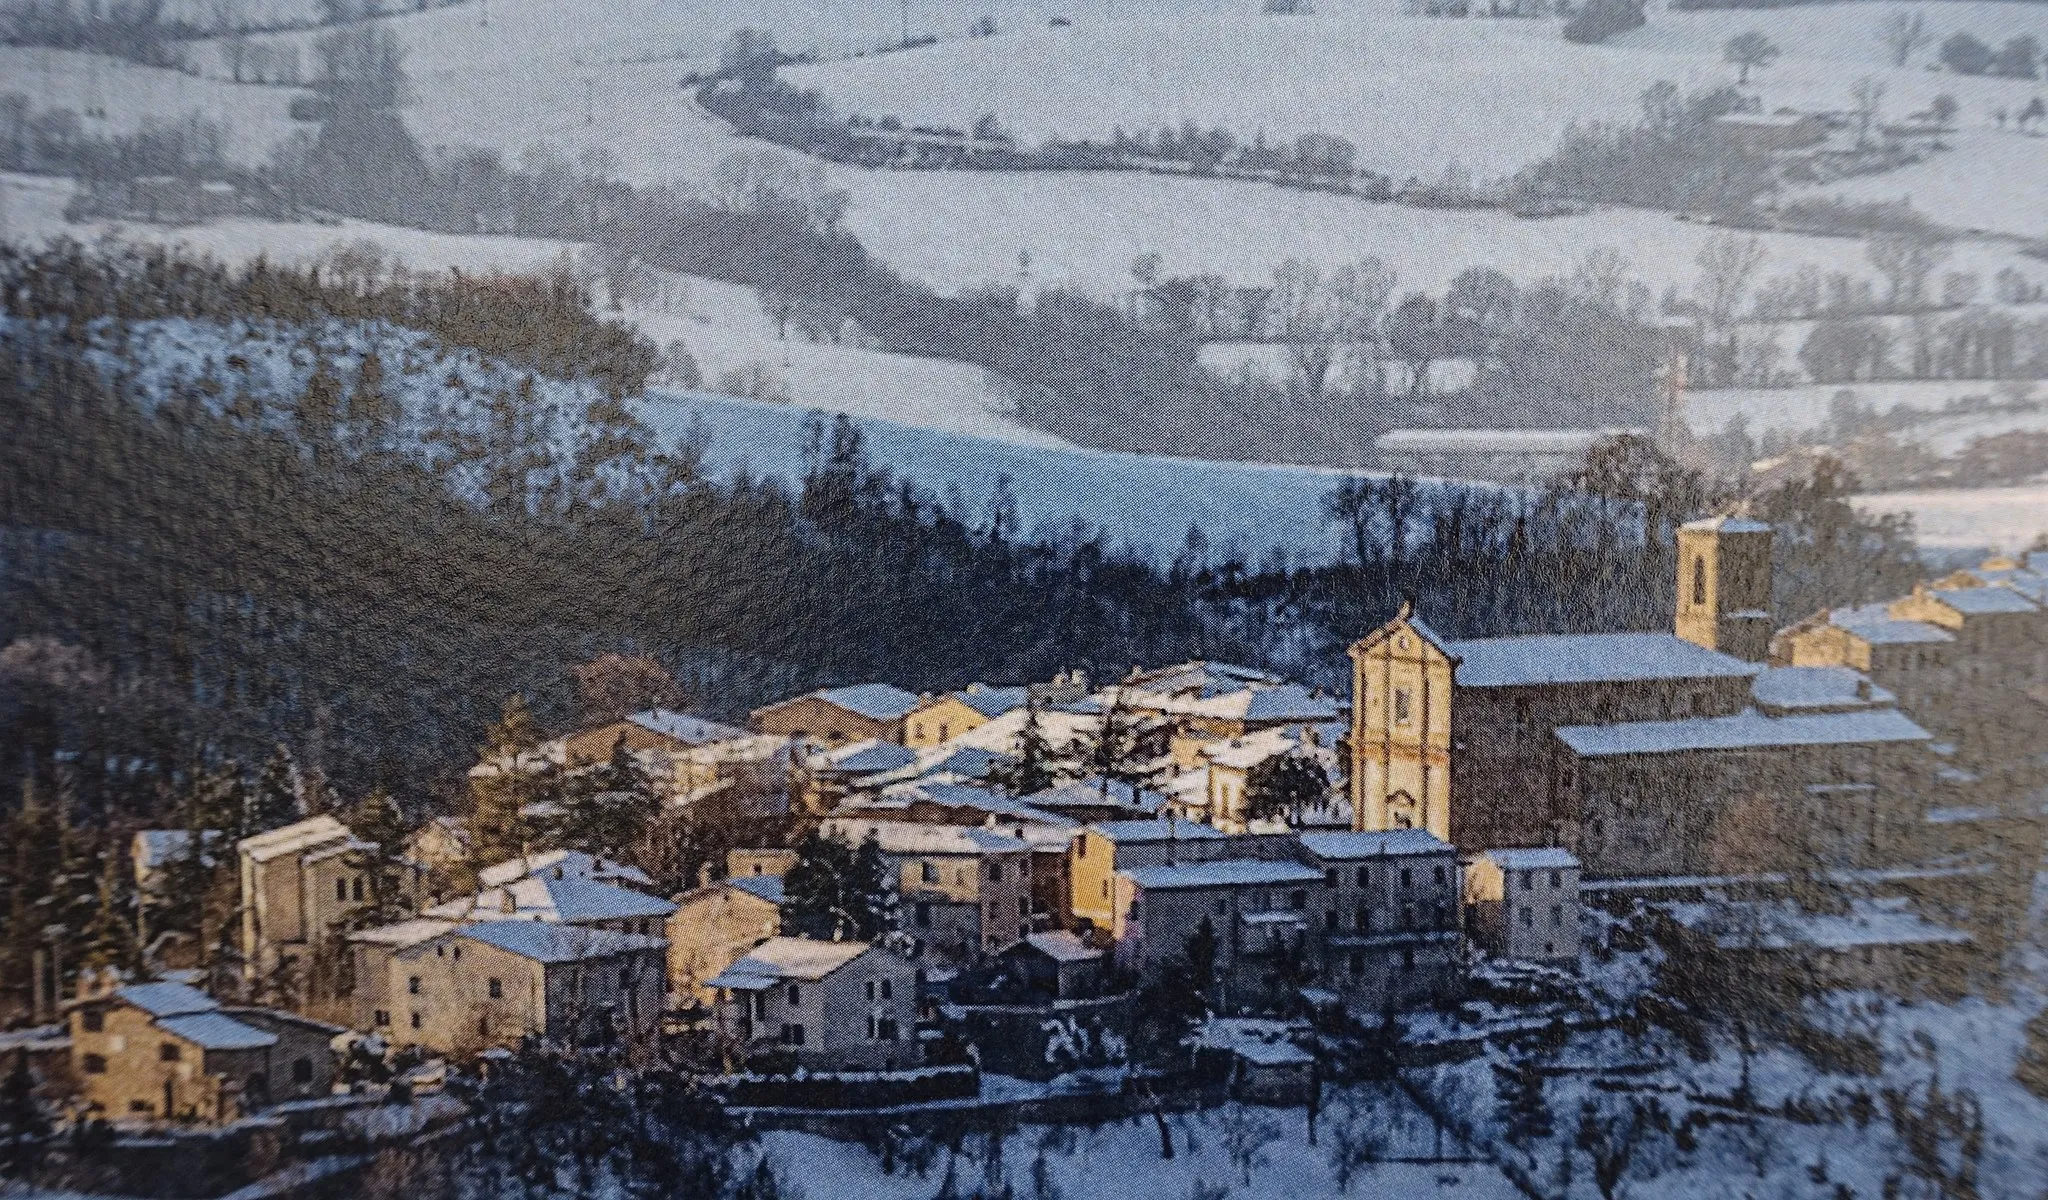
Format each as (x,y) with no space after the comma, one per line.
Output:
(2007,518)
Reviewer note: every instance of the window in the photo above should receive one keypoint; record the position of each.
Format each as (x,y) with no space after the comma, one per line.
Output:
(415,1020)
(1438,875)
(871,994)
(167,1052)
(1081,848)
(923,914)
(1298,899)
(1408,958)
(302,1070)
(796,996)
(1364,876)
(1407,916)
(885,1029)
(1528,917)
(139,1106)
(1222,905)
(625,979)
(356,890)
(1557,879)
(412,985)
(758,1005)
(995,872)
(928,872)
(792,1035)
(1528,880)
(1556,914)
(1362,919)
(483,1026)
(341,891)
(1403,704)
(382,1017)
(1357,962)
(1023,907)
(1330,920)
(92,1020)
(1699,580)
(945,731)
(888,989)
(1407,877)
(1105,889)
(917,730)
(1330,876)
(95,1064)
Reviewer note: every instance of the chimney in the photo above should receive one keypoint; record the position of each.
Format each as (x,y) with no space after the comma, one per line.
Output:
(505,904)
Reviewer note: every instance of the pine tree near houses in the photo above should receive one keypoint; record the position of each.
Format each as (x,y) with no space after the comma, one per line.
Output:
(1114,750)
(608,810)
(1284,785)
(377,820)
(1524,1111)
(497,822)
(274,802)
(1036,764)
(837,892)
(25,1127)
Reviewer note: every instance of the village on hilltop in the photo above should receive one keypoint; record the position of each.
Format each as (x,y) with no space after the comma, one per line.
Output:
(1073,878)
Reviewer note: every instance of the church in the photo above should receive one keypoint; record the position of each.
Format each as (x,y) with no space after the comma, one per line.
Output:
(1644,754)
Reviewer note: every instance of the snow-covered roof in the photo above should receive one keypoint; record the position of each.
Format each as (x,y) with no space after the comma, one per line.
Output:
(876,701)
(1385,843)
(1532,858)
(166,999)
(685,728)
(401,934)
(215,1031)
(952,795)
(992,701)
(1244,753)
(1264,1043)
(1745,730)
(1229,872)
(1782,925)
(569,864)
(1137,833)
(870,757)
(1875,624)
(1985,601)
(1727,524)
(787,958)
(546,942)
(765,887)
(915,837)
(1201,677)
(1588,658)
(311,833)
(950,761)
(1818,688)
(1094,792)
(1062,946)
(545,898)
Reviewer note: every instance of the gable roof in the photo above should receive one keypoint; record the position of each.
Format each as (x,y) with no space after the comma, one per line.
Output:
(1875,624)
(546,942)
(683,727)
(761,887)
(876,701)
(1096,792)
(166,999)
(1817,688)
(215,1031)
(574,864)
(1749,729)
(991,701)
(914,837)
(549,899)
(1985,601)
(1532,858)
(1061,946)
(400,934)
(1588,658)
(294,838)
(1228,872)
(870,757)
(1138,833)
(780,959)
(1386,843)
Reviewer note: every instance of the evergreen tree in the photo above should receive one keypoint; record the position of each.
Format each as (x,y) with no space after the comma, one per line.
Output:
(607,810)
(25,1127)
(509,783)
(109,940)
(1114,750)
(1284,785)
(377,821)
(1036,765)
(275,800)
(319,409)
(837,892)
(1524,1110)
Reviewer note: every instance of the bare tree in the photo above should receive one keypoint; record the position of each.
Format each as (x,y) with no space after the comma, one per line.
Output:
(1747,52)
(1325,319)
(1355,1143)
(1902,34)
(1906,260)
(1612,1139)
(1247,1132)
(1728,263)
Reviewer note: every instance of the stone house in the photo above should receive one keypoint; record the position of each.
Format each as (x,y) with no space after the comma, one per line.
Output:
(1056,965)
(658,730)
(938,719)
(1524,903)
(468,987)
(297,884)
(168,1051)
(1389,918)
(965,890)
(714,926)
(1100,850)
(837,716)
(556,896)
(831,1006)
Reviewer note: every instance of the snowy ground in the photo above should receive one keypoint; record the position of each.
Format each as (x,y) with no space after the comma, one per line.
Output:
(2007,518)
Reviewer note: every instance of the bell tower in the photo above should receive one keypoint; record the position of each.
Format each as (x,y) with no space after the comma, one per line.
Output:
(1724,586)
